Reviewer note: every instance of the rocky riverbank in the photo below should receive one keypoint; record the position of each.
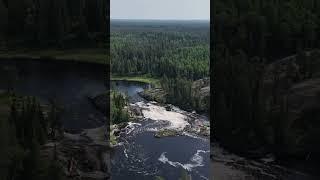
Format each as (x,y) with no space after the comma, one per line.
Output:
(226,165)
(84,155)
(173,122)
(200,90)
(276,117)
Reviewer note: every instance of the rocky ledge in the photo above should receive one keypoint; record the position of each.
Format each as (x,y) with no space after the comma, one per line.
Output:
(154,94)
(167,133)
(82,156)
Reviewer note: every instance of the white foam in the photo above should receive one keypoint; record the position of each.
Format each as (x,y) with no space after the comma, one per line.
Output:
(131,126)
(125,152)
(152,129)
(196,161)
(155,112)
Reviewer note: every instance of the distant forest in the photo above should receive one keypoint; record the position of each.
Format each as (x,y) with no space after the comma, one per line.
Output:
(175,52)
(266,59)
(160,48)
(58,23)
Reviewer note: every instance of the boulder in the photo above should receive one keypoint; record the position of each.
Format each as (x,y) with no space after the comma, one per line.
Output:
(166,133)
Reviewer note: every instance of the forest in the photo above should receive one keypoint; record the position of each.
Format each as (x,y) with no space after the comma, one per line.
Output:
(266,77)
(42,26)
(177,53)
(25,126)
(53,23)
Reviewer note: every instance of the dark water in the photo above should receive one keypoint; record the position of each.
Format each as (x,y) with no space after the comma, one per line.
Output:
(143,153)
(68,83)
(142,156)
(131,89)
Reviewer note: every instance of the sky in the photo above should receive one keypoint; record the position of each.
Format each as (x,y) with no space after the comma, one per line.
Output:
(160,9)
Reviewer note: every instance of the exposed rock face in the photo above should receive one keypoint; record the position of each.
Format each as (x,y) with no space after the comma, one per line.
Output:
(166,133)
(292,86)
(304,97)
(304,113)
(81,155)
(135,111)
(277,109)
(201,91)
(154,94)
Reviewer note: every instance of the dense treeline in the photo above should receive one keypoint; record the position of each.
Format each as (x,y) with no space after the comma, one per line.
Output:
(270,29)
(252,87)
(187,94)
(175,52)
(22,133)
(52,22)
(158,52)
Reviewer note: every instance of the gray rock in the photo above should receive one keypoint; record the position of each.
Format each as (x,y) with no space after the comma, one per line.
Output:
(88,158)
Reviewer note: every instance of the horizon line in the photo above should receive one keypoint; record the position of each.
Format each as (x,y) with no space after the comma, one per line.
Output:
(157,19)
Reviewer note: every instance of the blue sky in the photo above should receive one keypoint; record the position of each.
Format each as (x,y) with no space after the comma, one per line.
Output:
(160,9)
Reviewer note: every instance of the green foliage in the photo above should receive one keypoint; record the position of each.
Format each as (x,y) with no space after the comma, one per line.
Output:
(177,54)
(118,112)
(179,91)
(159,52)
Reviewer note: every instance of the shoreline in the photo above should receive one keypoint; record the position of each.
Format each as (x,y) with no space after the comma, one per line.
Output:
(85,55)
(137,78)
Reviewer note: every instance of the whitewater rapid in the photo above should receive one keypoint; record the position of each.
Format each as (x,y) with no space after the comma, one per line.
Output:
(195,161)
(176,119)
(140,148)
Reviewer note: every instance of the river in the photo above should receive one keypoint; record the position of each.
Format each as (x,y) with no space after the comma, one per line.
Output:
(141,155)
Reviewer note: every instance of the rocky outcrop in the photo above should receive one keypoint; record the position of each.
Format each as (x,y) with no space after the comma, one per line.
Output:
(292,90)
(135,111)
(166,133)
(201,92)
(84,155)
(304,115)
(154,94)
